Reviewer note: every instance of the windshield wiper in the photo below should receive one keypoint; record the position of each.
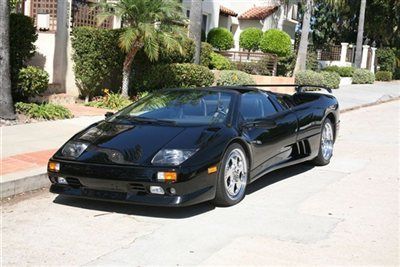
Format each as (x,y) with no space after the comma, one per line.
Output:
(145,119)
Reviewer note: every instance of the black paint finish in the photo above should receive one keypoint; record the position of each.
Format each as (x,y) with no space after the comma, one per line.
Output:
(117,164)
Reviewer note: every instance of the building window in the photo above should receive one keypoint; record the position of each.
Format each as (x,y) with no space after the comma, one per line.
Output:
(46,7)
(204,23)
(188,13)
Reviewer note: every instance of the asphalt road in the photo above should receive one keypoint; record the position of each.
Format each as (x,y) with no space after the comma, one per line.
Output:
(346,213)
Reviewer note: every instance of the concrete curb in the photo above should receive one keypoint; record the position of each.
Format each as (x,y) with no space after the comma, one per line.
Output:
(39,180)
(24,184)
(382,100)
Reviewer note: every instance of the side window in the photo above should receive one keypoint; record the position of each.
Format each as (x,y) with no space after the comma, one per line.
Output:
(256,105)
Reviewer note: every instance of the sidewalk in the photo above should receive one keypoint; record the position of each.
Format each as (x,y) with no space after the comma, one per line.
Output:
(26,148)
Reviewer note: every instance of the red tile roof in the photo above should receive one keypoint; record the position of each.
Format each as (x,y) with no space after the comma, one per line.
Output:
(258,12)
(226,11)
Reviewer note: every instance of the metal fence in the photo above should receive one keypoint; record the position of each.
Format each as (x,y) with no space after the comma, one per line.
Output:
(271,60)
(331,53)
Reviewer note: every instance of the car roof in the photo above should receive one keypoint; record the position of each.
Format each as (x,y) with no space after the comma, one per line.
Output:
(235,89)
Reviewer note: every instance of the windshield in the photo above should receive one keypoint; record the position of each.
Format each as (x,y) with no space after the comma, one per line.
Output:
(182,106)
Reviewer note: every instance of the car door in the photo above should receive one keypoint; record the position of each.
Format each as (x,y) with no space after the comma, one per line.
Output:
(270,131)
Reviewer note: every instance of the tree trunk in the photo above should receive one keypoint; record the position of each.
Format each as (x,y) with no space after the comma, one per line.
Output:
(195,27)
(360,34)
(125,81)
(127,69)
(305,29)
(6,102)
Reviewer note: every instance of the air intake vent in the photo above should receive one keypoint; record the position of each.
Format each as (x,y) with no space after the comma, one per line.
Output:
(74,182)
(136,187)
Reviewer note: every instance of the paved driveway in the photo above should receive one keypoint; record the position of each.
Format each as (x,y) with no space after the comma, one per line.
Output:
(359,94)
(345,213)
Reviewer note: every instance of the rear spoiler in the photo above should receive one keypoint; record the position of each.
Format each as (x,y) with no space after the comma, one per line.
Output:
(298,88)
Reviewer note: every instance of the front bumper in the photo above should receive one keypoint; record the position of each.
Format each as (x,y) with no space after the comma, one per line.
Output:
(131,184)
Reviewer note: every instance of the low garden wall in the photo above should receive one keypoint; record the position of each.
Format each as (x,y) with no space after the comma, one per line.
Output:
(259,79)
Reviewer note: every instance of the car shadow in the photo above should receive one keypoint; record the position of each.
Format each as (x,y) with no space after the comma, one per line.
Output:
(277,176)
(176,212)
(132,209)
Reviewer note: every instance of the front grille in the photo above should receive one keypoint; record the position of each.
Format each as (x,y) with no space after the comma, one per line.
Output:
(74,182)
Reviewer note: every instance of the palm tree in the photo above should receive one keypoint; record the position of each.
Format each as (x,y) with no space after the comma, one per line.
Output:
(6,102)
(195,27)
(147,24)
(303,46)
(360,34)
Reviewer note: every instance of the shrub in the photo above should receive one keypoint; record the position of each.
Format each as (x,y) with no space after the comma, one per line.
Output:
(173,75)
(234,77)
(362,76)
(220,38)
(97,60)
(277,42)
(110,101)
(32,81)
(219,62)
(43,111)
(330,79)
(342,71)
(255,68)
(386,59)
(311,61)
(383,75)
(309,77)
(285,65)
(22,38)
(250,38)
(205,55)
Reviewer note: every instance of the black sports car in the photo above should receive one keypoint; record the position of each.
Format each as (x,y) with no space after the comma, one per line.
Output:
(179,147)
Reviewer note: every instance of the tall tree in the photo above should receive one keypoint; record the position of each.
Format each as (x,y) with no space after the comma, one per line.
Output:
(360,34)
(303,46)
(195,17)
(6,102)
(146,24)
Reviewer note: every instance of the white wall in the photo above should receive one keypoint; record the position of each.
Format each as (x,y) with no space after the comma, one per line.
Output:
(44,56)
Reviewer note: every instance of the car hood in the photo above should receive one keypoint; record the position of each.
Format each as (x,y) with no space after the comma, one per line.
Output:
(137,144)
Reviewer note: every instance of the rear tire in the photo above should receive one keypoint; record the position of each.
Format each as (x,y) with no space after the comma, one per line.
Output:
(232,177)
(326,142)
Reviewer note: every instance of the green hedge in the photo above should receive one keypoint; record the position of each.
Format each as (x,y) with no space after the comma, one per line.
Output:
(342,71)
(219,62)
(324,78)
(220,38)
(22,38)
(363,76)
(383,76)
(386,58)
(234,77)
(43,111)
(205,55)
(330,79)
(32,81)
(97,60)
(250,38)
(276,42)
(173,75)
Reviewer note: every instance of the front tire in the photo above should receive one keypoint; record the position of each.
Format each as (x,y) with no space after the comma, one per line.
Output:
(232,176)
(325,151)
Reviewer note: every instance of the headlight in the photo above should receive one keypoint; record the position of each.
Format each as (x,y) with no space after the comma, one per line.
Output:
(172,156)
(74,149)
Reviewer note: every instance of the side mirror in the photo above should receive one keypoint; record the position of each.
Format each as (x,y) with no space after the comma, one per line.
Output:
(108,114)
